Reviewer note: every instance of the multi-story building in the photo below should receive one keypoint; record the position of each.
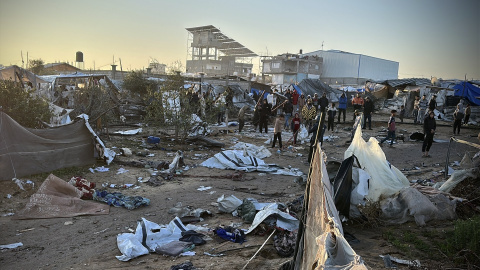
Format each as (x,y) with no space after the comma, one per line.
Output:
(214,54)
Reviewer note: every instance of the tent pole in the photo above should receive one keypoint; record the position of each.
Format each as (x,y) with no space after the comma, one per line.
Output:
(448,157)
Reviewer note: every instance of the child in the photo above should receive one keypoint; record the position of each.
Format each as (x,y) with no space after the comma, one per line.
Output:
(402,113)
(295,127)
(391,128)
(332,111)
(277,130)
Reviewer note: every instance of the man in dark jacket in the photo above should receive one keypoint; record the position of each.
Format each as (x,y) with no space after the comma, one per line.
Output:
(367,113)
(264,114)
(429,127)
(432,105)
(287,110)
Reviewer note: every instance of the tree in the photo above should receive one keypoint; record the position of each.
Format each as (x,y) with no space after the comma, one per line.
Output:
(37,66)
(23,106)
(138,84)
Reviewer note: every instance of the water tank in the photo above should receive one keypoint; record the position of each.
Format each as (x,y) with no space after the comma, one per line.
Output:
(79,57)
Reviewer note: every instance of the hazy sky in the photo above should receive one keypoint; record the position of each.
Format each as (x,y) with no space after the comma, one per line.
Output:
(427,37)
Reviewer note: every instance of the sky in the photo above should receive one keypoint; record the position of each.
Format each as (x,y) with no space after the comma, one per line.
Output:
(429,38)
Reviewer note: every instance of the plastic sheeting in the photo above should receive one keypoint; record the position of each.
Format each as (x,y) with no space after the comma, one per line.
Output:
(284,220)
(324,246)
(385,179)
(130,244)
(410,204)
(456,178)
(252,150)
(236,160)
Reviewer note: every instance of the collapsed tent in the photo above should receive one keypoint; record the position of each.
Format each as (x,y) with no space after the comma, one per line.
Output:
(239,97)
(312,86)
(469,91)
(25,151)
(57,198)
(385,179)
(240,160)
(320,243)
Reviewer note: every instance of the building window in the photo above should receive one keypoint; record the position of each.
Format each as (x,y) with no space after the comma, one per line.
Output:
(276,65)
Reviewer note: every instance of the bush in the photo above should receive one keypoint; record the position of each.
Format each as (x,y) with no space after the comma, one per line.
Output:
(463,243)
(22,105)
(137,83)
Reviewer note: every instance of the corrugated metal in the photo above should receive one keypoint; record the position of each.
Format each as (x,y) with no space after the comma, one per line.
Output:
(338,64)
(402,82)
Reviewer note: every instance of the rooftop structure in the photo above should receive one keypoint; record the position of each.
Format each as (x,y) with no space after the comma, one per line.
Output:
(215,54)
(291,68)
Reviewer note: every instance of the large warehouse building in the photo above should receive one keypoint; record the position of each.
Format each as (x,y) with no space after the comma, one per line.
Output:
(349,68)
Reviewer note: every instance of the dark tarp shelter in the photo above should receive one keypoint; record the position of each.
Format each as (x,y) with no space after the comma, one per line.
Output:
(25,151)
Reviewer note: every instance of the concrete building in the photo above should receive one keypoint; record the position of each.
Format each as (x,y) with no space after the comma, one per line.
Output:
(349,68)
(214,54)
(291,68)
(59,68)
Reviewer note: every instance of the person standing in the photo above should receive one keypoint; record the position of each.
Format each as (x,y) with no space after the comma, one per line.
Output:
(288,110)
(429,126)
(432,105)
(295,127)
(332,111)
(391,128)
(342,106)
(277,130)
(357,103)
(308,113)
(315,101)
(468,111)
(402,113)
(416,108)
(457,120)
(301,103)
(295,98)
(422,104)
(241,117)
(264,114)
(367,113)
(323,102)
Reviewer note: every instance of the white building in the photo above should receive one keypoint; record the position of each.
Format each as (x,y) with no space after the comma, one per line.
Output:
(349,68)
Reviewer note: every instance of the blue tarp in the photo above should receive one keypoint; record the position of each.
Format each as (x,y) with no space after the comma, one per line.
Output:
(299,91)
(258,92)
(468,91)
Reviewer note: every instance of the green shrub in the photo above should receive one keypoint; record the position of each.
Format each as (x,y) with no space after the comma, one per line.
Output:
(22,105)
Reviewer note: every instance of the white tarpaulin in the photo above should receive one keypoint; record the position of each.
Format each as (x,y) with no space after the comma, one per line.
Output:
(151,234)
(235,160)
(284,220)
(324,246)
(385,179)
(252,150)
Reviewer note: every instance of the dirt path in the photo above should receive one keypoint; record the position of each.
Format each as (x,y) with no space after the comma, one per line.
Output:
(90,242)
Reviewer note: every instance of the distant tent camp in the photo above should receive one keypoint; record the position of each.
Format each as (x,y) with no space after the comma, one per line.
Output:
(469,91)
(25,151)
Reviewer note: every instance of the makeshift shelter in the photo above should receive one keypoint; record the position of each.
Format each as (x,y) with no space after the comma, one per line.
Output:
(468,91)
(385,179)
(18,74)
(320,242)
(312,86)
(239,97)
(387,88)
(25,151)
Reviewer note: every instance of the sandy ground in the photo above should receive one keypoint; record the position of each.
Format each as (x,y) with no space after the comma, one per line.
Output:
(90,242)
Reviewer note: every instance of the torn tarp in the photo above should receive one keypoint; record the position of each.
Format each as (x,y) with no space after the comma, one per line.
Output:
(235,160)
(284,220)
(252,150)
(147,237)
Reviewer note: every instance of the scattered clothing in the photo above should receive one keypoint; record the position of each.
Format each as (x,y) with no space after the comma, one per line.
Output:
(183,266)
(117,199)
(231,234)
(284,243)
(87,188)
